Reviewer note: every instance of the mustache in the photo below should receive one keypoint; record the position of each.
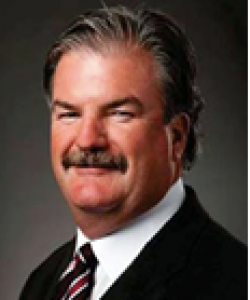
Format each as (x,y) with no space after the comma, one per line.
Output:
(94,159)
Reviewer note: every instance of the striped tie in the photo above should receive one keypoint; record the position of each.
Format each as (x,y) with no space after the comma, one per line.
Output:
(77,282)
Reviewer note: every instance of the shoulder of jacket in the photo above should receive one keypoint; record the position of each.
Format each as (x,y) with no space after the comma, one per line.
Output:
(54,259)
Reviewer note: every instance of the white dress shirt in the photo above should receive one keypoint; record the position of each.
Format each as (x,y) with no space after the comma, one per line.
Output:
(115,252)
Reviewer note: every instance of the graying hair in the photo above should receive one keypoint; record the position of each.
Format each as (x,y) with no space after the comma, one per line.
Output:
(153,31)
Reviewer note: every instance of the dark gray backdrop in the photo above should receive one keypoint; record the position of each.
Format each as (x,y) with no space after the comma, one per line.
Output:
(34,218)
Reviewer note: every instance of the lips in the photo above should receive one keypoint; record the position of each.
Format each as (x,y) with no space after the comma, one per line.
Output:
(92,171)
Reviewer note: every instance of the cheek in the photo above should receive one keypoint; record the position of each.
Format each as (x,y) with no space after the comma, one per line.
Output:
(56,142)
(146,144)
(159,153)
(61,139)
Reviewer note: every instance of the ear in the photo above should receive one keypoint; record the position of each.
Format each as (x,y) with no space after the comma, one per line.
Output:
(179,126)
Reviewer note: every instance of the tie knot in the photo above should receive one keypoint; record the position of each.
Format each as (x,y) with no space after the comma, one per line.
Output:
(89,256)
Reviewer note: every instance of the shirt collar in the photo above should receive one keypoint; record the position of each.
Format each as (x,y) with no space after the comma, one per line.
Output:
(115,252)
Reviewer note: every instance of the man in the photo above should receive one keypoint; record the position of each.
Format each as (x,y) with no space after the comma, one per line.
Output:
(124,126)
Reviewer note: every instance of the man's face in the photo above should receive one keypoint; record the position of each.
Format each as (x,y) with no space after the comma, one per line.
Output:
(112,105)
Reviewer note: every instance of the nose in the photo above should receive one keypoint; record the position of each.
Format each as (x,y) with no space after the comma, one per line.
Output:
(91,134)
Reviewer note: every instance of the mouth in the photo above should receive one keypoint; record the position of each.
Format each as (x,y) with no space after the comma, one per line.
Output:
(92,171)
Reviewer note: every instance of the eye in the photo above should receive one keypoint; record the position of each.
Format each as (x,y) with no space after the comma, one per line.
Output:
(66,116)
(123,115)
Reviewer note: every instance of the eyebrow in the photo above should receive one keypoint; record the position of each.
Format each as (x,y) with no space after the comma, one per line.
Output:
(62,104)
(129,100)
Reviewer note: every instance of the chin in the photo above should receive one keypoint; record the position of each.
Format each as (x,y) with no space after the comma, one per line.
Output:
(93,209)
(97,209)
(94,203)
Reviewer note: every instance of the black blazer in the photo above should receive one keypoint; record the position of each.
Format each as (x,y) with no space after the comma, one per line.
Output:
(190,258)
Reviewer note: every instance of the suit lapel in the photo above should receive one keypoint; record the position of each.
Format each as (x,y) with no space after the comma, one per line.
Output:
(65,258)
(163,256)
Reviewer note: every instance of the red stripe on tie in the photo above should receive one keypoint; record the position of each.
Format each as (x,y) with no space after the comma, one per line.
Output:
(78,280)
(78,285)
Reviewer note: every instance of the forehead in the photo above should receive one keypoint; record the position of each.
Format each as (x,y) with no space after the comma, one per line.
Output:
(87,74)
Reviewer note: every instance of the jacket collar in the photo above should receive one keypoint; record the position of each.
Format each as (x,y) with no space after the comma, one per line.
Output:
(66,254)
(163,256)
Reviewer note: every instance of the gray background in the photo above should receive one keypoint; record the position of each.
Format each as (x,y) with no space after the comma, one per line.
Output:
(34,218)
